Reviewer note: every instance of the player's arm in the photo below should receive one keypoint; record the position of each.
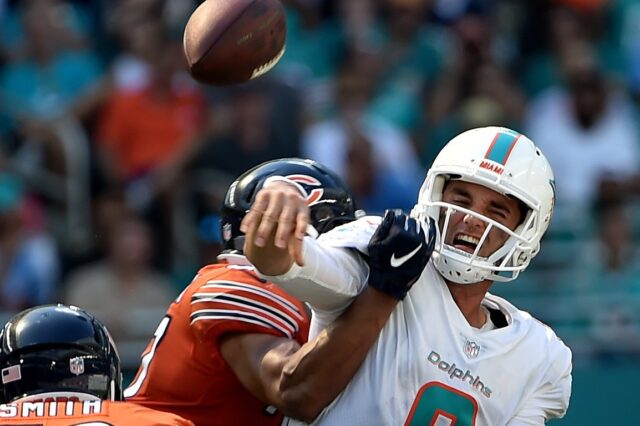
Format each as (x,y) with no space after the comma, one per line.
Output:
(326,277)
(551,399)
(301,381)
(330,279)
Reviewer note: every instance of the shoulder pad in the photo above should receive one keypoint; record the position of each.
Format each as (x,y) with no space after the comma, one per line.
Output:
(233,303)
(355,235)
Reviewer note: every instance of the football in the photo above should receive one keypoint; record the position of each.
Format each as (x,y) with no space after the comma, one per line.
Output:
(233,41)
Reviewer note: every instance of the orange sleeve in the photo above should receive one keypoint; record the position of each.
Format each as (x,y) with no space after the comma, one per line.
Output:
(239,302)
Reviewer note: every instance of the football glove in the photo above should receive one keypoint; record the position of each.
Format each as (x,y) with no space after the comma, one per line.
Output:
(398,252)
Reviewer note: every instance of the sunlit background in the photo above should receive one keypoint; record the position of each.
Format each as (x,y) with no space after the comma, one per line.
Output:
(113,160)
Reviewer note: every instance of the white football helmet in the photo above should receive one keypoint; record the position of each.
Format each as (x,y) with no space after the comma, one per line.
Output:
(506,162)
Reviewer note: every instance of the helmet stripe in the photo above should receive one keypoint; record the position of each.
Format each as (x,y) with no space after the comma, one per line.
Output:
(501,147)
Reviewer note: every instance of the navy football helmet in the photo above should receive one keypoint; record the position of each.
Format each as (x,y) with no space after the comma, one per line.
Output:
(58,349)
(330,201)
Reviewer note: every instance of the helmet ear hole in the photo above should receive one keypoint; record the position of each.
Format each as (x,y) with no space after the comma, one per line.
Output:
(523,258)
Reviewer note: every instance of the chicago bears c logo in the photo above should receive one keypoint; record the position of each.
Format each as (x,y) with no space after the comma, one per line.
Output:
(314,195)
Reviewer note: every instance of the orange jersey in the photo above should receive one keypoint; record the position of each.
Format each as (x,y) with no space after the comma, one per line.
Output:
(182,369)
(89,413)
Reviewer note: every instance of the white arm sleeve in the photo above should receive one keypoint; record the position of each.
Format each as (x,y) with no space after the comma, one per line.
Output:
(330,278)
(333,273)
(551,399)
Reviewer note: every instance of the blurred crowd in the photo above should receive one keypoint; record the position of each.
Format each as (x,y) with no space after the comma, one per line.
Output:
(113,161)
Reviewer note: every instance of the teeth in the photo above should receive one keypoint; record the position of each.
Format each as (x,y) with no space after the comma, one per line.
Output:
(468,239)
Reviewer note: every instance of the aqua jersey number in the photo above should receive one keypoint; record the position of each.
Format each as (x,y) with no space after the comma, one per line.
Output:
(439,404)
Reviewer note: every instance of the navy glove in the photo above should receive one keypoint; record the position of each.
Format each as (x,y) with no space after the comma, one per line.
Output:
(398,252)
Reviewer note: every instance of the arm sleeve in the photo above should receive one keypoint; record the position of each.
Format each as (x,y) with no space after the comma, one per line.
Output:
(551,399)
(334,270)
(228,305)
(330,278)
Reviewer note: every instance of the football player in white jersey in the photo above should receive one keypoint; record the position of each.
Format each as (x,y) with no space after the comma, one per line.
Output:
(451,352)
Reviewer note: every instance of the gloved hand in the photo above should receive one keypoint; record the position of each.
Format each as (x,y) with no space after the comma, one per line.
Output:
(398,252)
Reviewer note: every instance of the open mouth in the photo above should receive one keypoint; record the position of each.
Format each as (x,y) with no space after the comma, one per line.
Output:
(466,243)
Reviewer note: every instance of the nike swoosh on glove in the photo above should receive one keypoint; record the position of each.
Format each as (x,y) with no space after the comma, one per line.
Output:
(399,250)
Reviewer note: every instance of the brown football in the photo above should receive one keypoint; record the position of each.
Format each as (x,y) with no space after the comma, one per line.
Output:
(233,41)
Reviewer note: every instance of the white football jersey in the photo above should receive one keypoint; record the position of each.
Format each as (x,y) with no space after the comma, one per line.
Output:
(430,367)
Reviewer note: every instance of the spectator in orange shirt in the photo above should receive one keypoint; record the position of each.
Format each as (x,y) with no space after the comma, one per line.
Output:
(149,131)
(146,139)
